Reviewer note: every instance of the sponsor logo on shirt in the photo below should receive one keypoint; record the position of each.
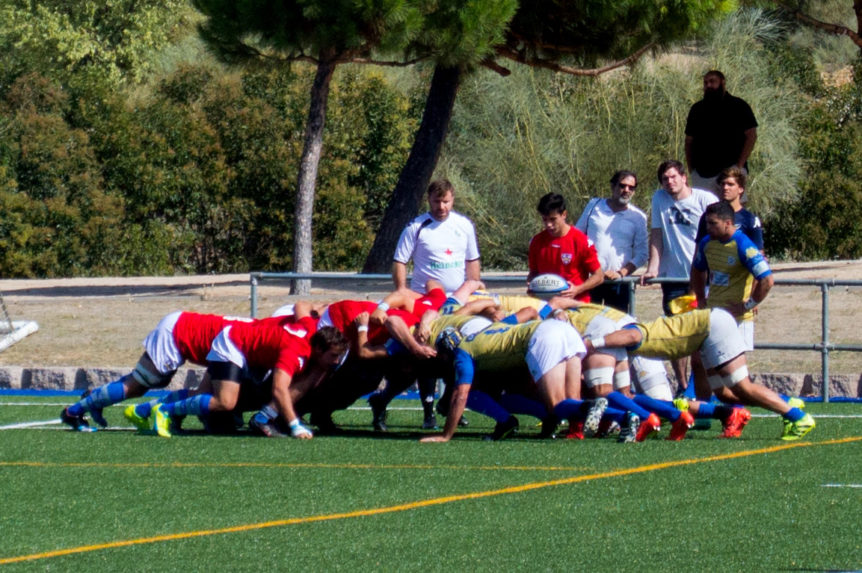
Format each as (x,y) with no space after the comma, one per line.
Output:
(719,279)
(452,265)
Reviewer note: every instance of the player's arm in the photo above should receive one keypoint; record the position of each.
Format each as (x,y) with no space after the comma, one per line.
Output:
(399,331)
(464,370)
(563,303)
(281,396)
(475,307)
(758,294)
(302,308)
(623,338)
(656,245)
(596,278)
(361,347)
(699,273)
(402,298)
(698,285)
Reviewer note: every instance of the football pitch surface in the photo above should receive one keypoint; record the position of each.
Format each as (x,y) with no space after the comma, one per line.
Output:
(116,500)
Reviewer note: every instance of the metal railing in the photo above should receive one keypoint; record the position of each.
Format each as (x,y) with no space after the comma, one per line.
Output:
(824,347)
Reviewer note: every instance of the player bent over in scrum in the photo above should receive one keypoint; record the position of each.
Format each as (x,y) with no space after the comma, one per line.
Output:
(249,351)
(179,337)
(715,334)
(552,350)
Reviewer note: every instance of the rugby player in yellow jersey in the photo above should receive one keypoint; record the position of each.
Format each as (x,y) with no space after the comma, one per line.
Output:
(552,350)
(734,269)
(714,333)
(606,373)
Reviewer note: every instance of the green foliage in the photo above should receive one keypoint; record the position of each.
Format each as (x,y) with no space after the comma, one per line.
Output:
(57,219)
(514,139)
(327,29)
(462,32)
(826,220)
(196,175)
(115,40)
(597,29)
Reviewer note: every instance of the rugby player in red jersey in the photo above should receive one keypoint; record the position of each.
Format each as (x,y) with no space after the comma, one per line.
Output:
(179,337)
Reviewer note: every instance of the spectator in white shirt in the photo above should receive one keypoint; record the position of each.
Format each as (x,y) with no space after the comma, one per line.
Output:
(618,230)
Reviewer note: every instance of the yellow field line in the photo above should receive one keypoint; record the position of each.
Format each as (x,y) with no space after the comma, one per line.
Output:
(418,504)
(348,466)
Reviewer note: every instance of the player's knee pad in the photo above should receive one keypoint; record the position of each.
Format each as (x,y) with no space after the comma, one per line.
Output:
(622,379)
(598,376)
(736,376)
(146,374)
(715,381)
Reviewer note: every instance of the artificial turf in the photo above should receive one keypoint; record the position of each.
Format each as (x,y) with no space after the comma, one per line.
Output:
(369,502)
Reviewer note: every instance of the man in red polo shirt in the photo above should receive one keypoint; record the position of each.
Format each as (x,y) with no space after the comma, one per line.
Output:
(564,250)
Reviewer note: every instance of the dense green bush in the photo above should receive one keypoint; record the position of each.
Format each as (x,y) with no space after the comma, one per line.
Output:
(195,174)
(826,220)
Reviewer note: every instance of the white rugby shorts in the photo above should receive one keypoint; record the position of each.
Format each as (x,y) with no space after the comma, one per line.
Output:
(554,341)
(724,342)
(161,347)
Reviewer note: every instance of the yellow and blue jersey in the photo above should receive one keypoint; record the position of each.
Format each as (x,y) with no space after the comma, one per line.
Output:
(732,266)
(581,315)
(501,346)
(672,337)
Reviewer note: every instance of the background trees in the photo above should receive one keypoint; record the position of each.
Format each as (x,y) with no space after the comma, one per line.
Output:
(169,161)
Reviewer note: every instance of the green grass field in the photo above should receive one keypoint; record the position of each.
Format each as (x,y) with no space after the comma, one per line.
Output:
(118,501)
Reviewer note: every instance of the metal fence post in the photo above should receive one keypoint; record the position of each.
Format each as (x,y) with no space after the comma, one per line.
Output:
(253,279)
(824,339)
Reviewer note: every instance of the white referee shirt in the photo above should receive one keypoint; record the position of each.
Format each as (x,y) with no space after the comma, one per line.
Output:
(439,250)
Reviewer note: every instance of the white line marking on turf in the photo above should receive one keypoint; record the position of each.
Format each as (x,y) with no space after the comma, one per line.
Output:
(850,485)
(29,424)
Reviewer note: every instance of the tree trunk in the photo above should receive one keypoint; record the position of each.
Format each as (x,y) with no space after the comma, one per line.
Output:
(311,150)
(416,174)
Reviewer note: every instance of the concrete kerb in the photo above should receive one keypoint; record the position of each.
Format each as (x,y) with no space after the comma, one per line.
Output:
(79,379)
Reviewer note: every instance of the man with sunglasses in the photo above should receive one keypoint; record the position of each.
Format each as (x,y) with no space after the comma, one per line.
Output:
(618,229)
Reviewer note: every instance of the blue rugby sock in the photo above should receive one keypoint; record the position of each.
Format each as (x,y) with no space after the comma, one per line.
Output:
(480,402)
(145,408)
(618,400)
(100,397)
(518,404)
(794,415)
(615,414)
(266,415)
(196,406)
(568,409)
(663,408)
(705,410)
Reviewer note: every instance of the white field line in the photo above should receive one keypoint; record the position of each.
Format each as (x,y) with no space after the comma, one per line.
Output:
(848,485)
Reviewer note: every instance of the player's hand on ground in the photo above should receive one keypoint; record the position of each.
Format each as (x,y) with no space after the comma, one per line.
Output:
(299,431)
(436,438)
